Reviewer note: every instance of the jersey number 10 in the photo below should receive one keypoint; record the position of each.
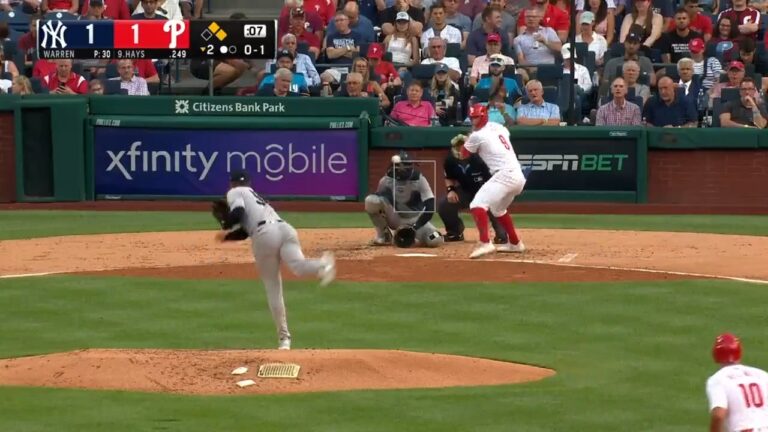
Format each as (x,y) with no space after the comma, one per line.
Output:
(753,396)
(504,142)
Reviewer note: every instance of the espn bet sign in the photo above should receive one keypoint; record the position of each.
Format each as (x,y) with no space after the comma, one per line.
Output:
(574,162)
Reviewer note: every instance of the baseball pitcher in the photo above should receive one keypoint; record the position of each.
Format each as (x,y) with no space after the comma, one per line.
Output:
(737,393)
(403,202)
(491,141)
(463,178)
(273,242)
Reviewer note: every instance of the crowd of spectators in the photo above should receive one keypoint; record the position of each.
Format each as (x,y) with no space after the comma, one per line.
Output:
(665,63)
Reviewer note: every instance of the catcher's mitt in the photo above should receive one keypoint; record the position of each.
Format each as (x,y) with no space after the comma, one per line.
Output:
(456,143)
(405,236)
(220,211)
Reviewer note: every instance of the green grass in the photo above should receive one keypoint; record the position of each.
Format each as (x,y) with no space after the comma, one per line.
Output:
(630,357)
(28,224)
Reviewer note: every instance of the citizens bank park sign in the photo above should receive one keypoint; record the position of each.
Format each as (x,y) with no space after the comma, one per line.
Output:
(187,107)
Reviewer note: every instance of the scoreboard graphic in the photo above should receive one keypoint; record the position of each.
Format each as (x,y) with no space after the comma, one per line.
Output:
(157,39)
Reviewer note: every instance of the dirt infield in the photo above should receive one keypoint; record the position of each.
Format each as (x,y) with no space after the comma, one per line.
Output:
(553,256)
(210,372)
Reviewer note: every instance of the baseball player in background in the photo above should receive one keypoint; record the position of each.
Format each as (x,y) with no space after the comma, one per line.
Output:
(736,393)
(463,178)
(491,141)
(403,197)
(273,242)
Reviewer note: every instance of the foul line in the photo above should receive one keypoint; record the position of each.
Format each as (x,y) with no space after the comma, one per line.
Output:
(677,273)
(14,276)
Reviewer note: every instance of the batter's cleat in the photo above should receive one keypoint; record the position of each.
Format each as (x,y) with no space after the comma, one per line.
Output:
(483,249)
(285,344)
(328,272)
(511,248)
(453,237)
(383,241)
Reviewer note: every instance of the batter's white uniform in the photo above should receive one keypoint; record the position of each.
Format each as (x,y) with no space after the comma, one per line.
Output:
(492,143)
(273,241)
(743,391)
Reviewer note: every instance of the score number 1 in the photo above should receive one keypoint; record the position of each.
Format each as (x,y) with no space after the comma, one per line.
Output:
(135,28)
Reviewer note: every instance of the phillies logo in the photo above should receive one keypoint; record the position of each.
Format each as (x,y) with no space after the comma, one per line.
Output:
(175,28)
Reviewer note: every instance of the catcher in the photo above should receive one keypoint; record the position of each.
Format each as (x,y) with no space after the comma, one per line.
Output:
(463,178)
(403,202)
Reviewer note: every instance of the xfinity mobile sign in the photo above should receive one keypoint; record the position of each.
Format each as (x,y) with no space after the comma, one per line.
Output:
(579,164)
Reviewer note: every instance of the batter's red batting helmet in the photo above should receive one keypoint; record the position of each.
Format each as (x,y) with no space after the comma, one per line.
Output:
(479,111)
(727,349)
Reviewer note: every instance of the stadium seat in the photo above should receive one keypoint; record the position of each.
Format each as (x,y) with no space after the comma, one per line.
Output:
(551,94)
(111,70)
(717,109)
(37,85)
(111,87)
(549,75)
(17,20)
(729,94)
(423,71)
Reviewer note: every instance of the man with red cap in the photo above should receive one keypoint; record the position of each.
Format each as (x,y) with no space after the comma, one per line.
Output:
(385,71)
(737,393)
(491,141)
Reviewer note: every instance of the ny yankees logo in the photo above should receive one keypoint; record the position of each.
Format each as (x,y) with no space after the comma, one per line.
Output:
(56,34)
(175,28)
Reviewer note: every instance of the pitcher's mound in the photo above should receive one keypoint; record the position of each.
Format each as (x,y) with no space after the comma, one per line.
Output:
(209,372)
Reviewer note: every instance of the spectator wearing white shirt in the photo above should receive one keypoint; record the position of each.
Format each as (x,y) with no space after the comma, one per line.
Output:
(303,64)
(437,48)
(481,63)
(440,28)
(136,86)
(583,80)
(595,41)
(537,44)
(168,8)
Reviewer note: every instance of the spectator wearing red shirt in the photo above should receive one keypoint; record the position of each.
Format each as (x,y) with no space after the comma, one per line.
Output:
(298,28)
(696,21)
(113,9)
(312,21)
(747,19)
(27,43)
(385,71)
(64,81)
(71,6)
(554,17)
(414,111)
(43,68)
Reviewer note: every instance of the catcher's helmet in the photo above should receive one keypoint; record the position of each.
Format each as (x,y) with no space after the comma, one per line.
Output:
(402,165)
(239,176)
(479,111)
(727,349)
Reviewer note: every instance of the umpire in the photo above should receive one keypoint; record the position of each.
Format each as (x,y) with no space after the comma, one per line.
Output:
(463,178)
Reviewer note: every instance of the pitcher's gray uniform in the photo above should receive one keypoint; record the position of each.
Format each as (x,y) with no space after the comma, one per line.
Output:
(273,241)
(403,197)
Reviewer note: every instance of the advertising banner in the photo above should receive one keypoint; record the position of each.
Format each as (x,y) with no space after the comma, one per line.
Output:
(177,162)
(579,164)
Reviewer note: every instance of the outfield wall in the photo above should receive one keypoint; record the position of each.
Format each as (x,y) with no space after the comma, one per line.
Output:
(56,149)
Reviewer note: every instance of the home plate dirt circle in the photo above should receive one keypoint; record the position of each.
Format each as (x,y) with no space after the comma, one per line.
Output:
(210,372)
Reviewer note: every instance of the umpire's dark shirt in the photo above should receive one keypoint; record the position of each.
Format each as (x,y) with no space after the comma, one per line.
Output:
(470,173)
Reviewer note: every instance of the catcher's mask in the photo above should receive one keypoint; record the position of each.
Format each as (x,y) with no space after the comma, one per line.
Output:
(727,349)
(402,165)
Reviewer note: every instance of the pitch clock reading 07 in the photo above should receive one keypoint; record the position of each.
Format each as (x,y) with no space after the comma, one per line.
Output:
(156,39)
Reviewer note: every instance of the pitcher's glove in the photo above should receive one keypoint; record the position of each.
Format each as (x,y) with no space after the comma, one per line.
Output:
(220,211)
(405,236)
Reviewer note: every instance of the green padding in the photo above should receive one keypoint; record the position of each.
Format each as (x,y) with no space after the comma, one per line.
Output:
(179,106)
(405,137)
(709,138)
(68,121)
(762,141)
(226,122)
(8,102)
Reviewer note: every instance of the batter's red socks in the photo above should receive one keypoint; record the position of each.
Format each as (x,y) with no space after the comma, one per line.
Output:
(481,221)
(509,227)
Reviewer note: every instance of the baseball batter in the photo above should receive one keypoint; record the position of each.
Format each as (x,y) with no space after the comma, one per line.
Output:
(491,142)
(463,178)
(403,197)
(273,241)
(736,393)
